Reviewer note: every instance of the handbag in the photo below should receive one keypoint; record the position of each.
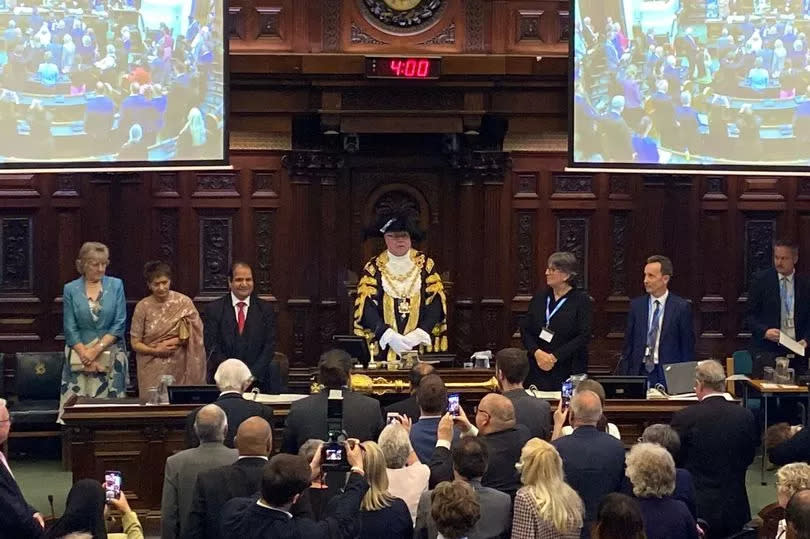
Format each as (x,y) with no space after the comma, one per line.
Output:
(183,332)
(103,361)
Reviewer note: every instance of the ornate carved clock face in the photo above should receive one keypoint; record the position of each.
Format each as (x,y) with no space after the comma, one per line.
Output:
(402,5)
(398,16)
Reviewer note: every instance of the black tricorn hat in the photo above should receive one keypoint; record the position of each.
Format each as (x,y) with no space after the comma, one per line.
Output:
(387,222)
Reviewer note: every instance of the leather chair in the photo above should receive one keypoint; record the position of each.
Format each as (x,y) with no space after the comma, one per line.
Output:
(280,372)
(37,382)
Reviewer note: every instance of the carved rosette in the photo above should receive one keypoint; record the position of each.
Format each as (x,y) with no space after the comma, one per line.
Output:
(419,17)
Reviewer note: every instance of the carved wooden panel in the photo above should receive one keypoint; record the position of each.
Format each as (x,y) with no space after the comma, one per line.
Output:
(16,266)
(618,271)
(167,236)
(526,185)
(264,228)
(572,186)
(215,253)
(759,236)
(526,259)
(572,237)
(219,184)
(528,22)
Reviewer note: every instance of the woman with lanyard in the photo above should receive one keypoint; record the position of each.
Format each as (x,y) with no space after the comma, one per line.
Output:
(557,327)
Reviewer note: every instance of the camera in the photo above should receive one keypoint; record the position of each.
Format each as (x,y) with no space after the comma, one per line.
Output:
(333,454)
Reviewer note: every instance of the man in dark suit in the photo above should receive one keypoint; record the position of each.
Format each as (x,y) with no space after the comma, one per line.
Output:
(232,378)
(468,460)
(243,478)
(17,518)
(659,326)
(593,461)
(242,326)
(511,369)
(432,399)
(778,303)
(495,425)
(797,515)
(182,469)
(718,441)
(362,415)
(410,406)
(688,123)
(284,479)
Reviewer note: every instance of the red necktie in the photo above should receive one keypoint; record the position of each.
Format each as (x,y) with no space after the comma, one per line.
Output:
(240,317)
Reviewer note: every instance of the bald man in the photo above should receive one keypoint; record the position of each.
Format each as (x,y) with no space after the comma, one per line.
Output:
(182,469)
(254,441)
(409,406)
(593,461)
(495,424)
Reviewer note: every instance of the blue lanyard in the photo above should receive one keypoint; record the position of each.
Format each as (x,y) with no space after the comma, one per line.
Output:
(557,308)
(788,301)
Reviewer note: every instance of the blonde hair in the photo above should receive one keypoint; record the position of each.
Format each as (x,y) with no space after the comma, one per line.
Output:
(377,496)
(651,470)
(541,471)
(792,478)
(89,250)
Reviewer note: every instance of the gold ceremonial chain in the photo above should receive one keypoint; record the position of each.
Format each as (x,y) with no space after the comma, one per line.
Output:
(402,294)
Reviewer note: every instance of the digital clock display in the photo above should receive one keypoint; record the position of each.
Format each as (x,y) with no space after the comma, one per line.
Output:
(385,67)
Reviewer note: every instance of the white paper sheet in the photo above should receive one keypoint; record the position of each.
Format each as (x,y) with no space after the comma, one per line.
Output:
(791,344)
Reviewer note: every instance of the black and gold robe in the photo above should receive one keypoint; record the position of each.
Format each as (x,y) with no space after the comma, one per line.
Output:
(375,311)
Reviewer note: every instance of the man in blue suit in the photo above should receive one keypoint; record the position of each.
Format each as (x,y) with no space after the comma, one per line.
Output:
(659,326)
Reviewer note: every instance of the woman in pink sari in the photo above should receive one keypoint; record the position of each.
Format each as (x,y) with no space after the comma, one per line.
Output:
(166,334)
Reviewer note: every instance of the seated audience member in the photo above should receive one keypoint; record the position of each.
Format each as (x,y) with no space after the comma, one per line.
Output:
(511,369)
(666,437)
(182,469)
(135,148)
(432,398)
(362,416)
(645,148)
(546,506)
(790,479)
(797,515)
(284,479)
(616,135)
(593,461)
(786,444)
(468,462)
(687,118)
(758,76)
(318,489)
(651,471)
(407,477)
(48,71)
(232,378)
(495,424)
(254,440)
(85,510)
(410,406)
(603,425)
(718,442)
(455,510)
(619,517)
(381,514)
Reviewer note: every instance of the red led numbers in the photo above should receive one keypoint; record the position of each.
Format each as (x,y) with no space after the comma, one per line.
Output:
(410,68)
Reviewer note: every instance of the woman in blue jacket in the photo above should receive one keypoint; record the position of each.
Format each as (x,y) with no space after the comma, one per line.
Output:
(94,319)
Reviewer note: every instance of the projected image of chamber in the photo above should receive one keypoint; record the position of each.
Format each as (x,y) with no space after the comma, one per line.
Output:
(687,82)
(109,81)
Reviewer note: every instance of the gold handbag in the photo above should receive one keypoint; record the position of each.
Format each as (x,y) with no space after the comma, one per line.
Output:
(183,332)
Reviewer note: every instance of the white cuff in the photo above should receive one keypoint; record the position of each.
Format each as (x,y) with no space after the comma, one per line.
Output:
(422,335)
(386,338)
(472,432)
(443,443)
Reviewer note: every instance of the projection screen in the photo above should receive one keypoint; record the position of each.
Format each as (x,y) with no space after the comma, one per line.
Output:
(109,83)
(723,84)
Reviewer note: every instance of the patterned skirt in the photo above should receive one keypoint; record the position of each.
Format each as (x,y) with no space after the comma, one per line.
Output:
(103,385)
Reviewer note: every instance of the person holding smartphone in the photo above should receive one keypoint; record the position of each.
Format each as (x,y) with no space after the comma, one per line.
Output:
(557,327)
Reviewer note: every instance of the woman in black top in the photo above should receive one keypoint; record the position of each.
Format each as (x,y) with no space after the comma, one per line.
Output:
(557,327)
(381,514)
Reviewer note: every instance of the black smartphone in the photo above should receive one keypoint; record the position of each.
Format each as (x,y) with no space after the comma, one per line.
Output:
(453,405)
(566,392)
(112,484)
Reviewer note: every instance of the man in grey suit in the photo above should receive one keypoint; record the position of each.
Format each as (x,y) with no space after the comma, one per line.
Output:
(470,460)
(182,469)
(511,369)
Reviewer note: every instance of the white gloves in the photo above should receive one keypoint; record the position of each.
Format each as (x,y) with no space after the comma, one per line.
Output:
(403,343)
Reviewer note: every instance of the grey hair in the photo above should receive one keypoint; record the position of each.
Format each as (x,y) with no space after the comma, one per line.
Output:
(308,449)
(395,445)
(651,470)
(211,424)
(793,477)
(88,250)
(585,412)
(232,375)
(564,262)
(663,435)
(710,373)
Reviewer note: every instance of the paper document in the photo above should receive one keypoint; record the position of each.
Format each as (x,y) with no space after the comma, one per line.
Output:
(791,344)
(737,377)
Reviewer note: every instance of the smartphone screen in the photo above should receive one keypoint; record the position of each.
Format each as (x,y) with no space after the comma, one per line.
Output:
(392,417)
(112,484)
(566,392)
(334,454)
(453,405)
